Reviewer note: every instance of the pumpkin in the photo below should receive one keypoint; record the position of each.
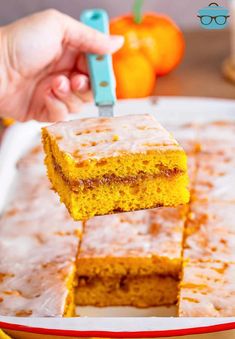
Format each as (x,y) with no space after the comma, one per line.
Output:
(154,46)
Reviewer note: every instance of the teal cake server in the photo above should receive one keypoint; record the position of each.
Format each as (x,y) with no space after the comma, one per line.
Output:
(100,66)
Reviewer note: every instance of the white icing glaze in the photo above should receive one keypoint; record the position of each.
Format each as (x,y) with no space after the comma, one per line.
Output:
(38,246)
(211,232)
(185,132)
(156,232)
(216,175)
(208,290)
(109,137)
(222,131)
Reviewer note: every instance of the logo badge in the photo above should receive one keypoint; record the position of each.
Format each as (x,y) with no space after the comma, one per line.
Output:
(213,16)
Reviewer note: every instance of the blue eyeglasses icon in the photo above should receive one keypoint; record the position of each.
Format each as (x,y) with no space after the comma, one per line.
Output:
(207,19)
(213,16)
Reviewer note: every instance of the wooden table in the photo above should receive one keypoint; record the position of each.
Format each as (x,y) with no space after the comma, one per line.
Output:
(200,72)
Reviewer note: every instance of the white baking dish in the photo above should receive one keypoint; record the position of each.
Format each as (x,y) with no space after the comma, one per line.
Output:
(114,321)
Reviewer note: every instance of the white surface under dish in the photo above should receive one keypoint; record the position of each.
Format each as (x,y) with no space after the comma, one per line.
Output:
(116,321)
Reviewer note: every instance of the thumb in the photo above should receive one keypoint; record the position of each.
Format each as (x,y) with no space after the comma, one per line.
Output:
(89,40)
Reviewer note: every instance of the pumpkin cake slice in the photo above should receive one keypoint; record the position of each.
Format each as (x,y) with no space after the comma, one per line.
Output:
(38,247)
(131,258)
(108,165)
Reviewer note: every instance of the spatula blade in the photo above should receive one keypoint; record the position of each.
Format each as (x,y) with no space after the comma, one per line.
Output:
(105,110)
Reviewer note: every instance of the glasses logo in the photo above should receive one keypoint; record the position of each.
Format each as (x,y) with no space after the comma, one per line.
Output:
(213,16)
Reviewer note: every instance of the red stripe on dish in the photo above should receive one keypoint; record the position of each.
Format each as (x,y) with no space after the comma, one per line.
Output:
(121,334)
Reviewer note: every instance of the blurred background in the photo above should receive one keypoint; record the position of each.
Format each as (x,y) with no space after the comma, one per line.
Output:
(200,70)
(182,11)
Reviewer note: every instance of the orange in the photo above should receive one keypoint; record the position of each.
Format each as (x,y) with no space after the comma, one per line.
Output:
(135,77)
(157,37)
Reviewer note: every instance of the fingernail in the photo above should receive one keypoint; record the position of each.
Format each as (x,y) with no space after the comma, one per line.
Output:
(116,42)
(62,87)
(82,84)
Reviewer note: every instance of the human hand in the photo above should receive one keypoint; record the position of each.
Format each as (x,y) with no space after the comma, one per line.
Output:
(43,72)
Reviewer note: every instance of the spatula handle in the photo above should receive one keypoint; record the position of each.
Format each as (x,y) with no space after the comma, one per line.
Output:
(100,66)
